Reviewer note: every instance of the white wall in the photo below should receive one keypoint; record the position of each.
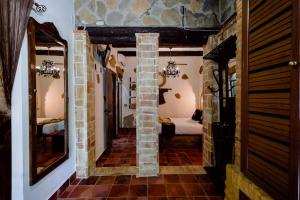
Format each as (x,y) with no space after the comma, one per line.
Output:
(61,13)
(99,112)
(50,91)
(190,89)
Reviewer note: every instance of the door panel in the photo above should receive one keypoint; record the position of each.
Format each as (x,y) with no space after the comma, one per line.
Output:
(110,106)
(270,109)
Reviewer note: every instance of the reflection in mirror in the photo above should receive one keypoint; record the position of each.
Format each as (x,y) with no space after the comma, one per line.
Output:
(49,107)
(48,99)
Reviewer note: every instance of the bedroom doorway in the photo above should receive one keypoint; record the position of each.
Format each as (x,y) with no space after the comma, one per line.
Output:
(180,108)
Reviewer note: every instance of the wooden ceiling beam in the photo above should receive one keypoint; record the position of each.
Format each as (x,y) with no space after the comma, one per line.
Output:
(49,53)
(166,53)
(169,36)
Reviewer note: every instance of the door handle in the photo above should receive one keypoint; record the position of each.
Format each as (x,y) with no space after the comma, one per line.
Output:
(293,63)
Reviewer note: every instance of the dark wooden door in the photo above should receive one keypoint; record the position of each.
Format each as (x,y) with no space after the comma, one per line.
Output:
(110,106)
(270,108)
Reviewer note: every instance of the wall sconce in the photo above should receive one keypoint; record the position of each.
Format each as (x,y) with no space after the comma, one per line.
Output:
(39,8)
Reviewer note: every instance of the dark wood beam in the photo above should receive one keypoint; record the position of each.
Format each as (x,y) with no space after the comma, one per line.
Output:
(166,53)
(49,53)
(169,36)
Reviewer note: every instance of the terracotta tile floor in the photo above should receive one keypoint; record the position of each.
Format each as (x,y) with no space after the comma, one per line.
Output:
(129,187)
(181,150)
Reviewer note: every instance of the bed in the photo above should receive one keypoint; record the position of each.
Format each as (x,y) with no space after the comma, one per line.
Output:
(50,125)
(186,126)
(53,128)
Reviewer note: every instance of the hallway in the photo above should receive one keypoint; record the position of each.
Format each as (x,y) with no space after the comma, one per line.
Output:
(129,187)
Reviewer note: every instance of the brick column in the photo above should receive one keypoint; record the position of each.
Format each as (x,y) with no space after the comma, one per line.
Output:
(238,82)
(84,104)
(210,110)
(147,104)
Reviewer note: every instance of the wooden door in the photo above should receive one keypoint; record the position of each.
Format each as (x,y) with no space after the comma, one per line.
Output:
(270,104)
(110,106)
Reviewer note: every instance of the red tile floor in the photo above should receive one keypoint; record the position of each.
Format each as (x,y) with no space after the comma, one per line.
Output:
(181,150)
(129,187)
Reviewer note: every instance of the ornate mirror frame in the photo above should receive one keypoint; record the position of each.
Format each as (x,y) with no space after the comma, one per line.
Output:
(50,30)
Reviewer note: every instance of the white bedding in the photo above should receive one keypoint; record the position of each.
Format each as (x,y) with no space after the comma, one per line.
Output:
(51,127)
(186,126)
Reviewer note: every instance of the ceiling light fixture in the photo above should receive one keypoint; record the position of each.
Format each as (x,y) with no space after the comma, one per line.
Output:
(171,70)
(48,68)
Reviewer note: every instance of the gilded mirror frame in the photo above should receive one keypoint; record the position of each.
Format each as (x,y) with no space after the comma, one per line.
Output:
(50,30)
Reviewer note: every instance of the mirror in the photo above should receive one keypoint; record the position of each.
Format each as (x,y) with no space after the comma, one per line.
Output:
(48,99)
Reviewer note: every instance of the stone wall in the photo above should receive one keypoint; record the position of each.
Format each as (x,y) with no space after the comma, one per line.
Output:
(227,9)
(199,13)
(236,182)
(84,104)
(211,100)
(210,109)
(238,83)
(147,103)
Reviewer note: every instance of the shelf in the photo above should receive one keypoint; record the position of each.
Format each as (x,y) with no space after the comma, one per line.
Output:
(132,91)
(225,50)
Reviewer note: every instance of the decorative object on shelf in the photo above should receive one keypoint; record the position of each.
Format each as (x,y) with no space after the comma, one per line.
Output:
(177,95)
(185,77)
(132,94)
(112,61)
(133,87)
(48,69)
(98,78)
(171,70)
(103,55)
(39,8)
(120,72)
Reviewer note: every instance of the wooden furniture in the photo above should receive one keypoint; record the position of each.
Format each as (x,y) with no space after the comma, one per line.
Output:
(45,35)
(270,98)
(168,130)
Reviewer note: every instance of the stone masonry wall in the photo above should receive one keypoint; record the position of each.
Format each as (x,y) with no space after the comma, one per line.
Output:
(84,104)
(211,100)
(238,83)
(236,182)
(147,104)
(210,110)
(199,13)
(227,9)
